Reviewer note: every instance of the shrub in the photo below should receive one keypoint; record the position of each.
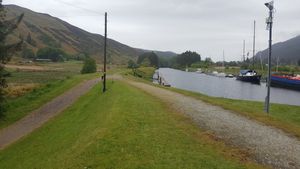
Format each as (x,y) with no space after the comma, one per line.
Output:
(89,66)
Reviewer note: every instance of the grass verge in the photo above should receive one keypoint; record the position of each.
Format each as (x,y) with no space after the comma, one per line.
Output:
(123,128)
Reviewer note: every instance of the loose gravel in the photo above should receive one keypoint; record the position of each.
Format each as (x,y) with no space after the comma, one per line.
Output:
(270,146)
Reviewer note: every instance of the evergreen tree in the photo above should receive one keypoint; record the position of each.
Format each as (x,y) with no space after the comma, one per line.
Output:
(6,50)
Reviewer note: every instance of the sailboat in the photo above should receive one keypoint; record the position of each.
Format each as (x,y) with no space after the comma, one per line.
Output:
(249,75)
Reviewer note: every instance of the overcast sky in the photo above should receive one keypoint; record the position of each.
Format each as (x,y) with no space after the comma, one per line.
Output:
(205,26)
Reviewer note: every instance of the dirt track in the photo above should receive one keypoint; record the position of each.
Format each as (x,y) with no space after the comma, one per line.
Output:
(38,117)
(268,145)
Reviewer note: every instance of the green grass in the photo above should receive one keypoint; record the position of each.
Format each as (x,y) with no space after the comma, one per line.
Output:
(123,128)
(21,106)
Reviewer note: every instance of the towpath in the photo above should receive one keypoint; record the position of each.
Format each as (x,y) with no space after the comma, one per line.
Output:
(268,145)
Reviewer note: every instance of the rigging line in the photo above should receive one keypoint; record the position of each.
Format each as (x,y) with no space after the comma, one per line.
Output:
(79,7)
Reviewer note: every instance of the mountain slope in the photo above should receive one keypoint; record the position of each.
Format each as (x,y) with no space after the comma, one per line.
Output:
(44,30)
(288,52)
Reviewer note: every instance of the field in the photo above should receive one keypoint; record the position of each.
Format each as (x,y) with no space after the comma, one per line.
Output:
(33,86)
(123,128)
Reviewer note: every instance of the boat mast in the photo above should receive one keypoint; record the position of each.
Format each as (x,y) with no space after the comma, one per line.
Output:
(223,59)
(244,51)
(254,43)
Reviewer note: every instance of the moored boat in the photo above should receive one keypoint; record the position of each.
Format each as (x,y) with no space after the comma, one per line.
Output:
(286,81)
(249,76)
(230,76)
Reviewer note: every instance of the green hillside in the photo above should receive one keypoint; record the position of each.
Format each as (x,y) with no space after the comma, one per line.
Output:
(42,30)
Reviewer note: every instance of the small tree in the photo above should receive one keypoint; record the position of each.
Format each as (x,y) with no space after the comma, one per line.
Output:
(89,66)
(6,50)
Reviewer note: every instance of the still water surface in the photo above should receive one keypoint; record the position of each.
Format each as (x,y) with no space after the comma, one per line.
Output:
(227,87)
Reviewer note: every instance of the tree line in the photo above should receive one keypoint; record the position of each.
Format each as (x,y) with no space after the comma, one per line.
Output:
(151,59)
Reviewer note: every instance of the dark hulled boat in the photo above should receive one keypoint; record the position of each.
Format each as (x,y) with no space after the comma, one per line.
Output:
(286,81)
(249,76)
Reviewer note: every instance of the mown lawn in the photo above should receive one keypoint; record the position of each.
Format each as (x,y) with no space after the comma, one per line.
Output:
(123,128)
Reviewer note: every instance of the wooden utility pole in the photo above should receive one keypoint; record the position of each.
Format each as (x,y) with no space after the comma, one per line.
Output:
(105,41)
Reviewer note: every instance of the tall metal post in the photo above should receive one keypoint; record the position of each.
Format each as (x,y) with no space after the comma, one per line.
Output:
(270,5)
(105,41)
(254,44)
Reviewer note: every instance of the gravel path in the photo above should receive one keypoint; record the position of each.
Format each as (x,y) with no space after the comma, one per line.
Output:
(38,117)
(270,146)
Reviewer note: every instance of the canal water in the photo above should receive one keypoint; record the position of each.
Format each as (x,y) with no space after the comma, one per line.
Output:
(226,87)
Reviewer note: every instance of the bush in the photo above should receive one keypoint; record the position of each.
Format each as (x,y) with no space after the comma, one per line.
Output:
(89,66)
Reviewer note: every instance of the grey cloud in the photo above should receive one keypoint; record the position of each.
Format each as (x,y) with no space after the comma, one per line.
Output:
(206,26)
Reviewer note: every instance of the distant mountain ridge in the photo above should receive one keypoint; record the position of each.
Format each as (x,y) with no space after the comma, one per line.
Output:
(165,54)
(287,51)
(44,30)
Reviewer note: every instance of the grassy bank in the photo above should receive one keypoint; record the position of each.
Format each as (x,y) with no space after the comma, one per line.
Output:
(123,128)
(145,73)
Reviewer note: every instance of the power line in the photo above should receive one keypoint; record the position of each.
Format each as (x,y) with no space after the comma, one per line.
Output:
(79,7)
